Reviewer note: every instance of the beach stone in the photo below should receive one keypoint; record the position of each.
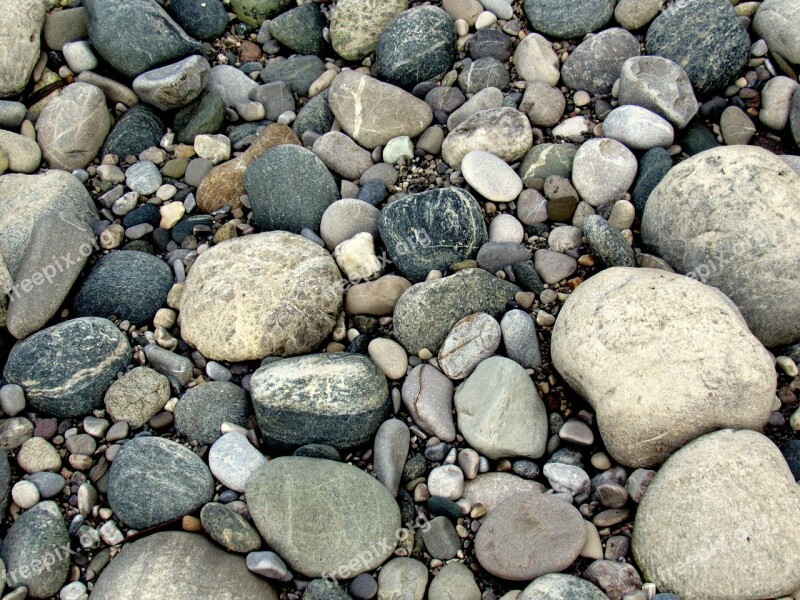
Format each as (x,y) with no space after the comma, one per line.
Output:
(254,12)
(375,298)
(470,341)
(276,98)
(178,565)
(63,129)
(153,480)
(201,19)
(777,22)
(555,586)
(545,160)
(159,39)
(660,85)
(298,72)
(348,491)
(454,580)
(391,448)
(300,29)
(389,356)
(315,116)
(483,73)
(483,100)
(553,267)
(617,579)
(426,312)
(37,455)
(529,536)
(229,529)
(139,128)
(520,340)
(231,83)
(428,396)
(38,534)
(356,25)
(536,60)
(776,102)
(607,243)
(491,43)
(203,409)
(240,314)
(175,85)
(339,399)
(490,176)
(504,132)
(403,578)
(137,397)
(494,256)
(568,19)
(12,114)
(736,127)
(595,64)
(636,14)
(20,35)
(65,369)
(346,218)
(653,167)
(416,45)
(731,179)
(23,154)
(233,460)
(289,189)
(63,26)
(373,112)
(638,128)
(737,484)
(544,105)
(645,430)
(710,65)
(431,230)
(602,170)
(127,284)
(342,155)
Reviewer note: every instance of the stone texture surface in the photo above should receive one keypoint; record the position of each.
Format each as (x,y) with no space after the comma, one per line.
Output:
(778,22)
(20,36)
(595,64)
(357,24)
(137,396)
(504,132)
(559,586)
(203,409)
(568,18)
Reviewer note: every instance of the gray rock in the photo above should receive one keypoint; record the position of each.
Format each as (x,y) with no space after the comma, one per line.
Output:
(269,565)
(777,22)
(254,12)
(403,578)
(276,97)
(426,312)
(338,399)
(595,64)
(136,397)
(229,529)
(231,83)
(139,128)
(233,460)
(62,26)
(454,580)
(391,448)
(20,35)
(653,167)
(484,100)
(202,410)
(201,19)
(776,102)
(520,340)
(638,128)
(494,256)
(5,483)
(342,155)
(602,170)
(299,72)
(554,266)
(558,586)
(169,363)
(441,539)
(178,565)
(491,43)
(431,231)
(315,116)
(607,243)
(616,579)
(356,26)
(428,396)
(66,369)
(737,128)
(543,104)
(363,517)
(48,484)
(345,218)
(12,114)
(794,117)
(504,132)
(325,589)
(545,160)
(486,72)
(300,29)
(175,85)
(153,480)
(570,18)
(20,154)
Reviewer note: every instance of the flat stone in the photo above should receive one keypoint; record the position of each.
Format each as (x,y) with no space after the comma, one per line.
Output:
(403,578)
(483,100)
(233,460)
(346,218)
(504,132)
(554,266)
(595,64)
(229,529)
(299,72)
(175,85)
(570,18)
(20,35)
(137,397)
(356,26)
(342,155)
(484,73)
(638,128)
(495,256)
(520,340)
(428,396)
(203,409)
(603,169)
(441,539)
(470,341)
(376,298)
(491,177)
(776,22)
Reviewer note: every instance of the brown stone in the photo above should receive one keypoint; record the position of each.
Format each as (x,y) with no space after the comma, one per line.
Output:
(250,52)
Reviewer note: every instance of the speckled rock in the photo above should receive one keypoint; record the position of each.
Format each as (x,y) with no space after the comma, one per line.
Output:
(20,35)
(357,24)
(559,586)
(568,18)
(137,130)
(203,409)
(595,64)
(138,396)
(504,132)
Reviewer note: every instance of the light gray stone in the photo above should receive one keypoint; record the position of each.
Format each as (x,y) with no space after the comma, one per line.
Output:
(520,340)
(402,578)
(504,132)
(342,155)
(233,460)
(638,128)
(470,341)
(602,170)
(428,396)
(20,36)
(454,580)
(391,447)
(778,22)
(137,396)
(175,85)
(22,153)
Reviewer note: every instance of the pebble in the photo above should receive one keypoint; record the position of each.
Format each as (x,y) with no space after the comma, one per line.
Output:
(595,64)
(736,126)
(389,356)
(520,340)
(470,341)
(428,396)
(441,539)
(12,399)
(25,494)
(446,481)
(536,60)
(776,102)
(391,447)
(490,176)
(554,266)
(403,576)
(603,169)
(638,128)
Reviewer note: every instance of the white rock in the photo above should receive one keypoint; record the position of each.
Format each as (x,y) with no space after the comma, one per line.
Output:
(776,102)
(622,215)
(602,170)
(638,128)
(356,258)
(574,129)
(232,460)
(536,60)
(397,149)
(25,494)
(471,340)
(567,478)
(216,148)
(79,56)
(506,228)
(491,176)
(485,19)
(446,481)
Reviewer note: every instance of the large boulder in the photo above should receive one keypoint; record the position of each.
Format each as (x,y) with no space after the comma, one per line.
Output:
(270,294)
(662,359)
(729,217)
(718,521)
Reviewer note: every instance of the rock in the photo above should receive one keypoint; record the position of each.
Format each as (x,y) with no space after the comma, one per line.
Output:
(491,177)
(338,399)
(529,536)
(519,339)
(736,127)
(403,578)
(153,480)
(484,100)
(491,43)
(607,243)
(568,19)
(315,116)
(300,29)
(776,102)
(417,45)
(231,83)
(536,60)
(159,40)
(65,369)
(289,189)
(595,64)
(603,169)
(391,448)
(455,580)
(543,104)
(428,396)
(201,19)
(470,341)
(688,394)
(342,155)
(63,131)
(233,460)
(545,160)
(506,229)
(660,85)
(558,585)
(139,128)
(710,65)
(79,56)
(376,298)
(617,579)
(482,74)
(22,153)
(671,225)
(63,26)
(175,85)
(426,312)
(238,314)
(229,529)
(355,503)
(202,410)
(389,356)
(12,114)
(38,455)
(504,132)
(39,534)
(137,397)
(636,14)
(554,266)
(254,12)
(653,167)
(345,218)
(494,256)
(59,234)
(20,35)
(638,128)
(737,484)
(356,26)
(373,112)
(299,72)
(276,97)
(431,230)
(776,22)
(567,479)
(178,565)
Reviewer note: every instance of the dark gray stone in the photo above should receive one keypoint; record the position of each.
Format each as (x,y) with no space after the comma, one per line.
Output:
(318,451)
(203,409)
(300,29)
(432,230)
(202,19)
(445,98)
(568,18)
(5,483)
(791,452)
(48,484)
(153,480)
(229,529)
(560,585)
(426,312)
(363,587)
(595,65)
(38,535)
(697,138)
(276,97)
(705,37)
(324,589)
(526,275)
(653,166)
(494,256)
(607,243)
(298,71)
(66,369)
(483,73)
(289,189)
(416,45)
(204,115)
(139,128)
(441,539)
(491,43)
(127,284)
(315,116)
(136,35)
(338,399)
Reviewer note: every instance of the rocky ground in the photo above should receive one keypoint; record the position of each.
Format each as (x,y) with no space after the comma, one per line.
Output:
(458,300)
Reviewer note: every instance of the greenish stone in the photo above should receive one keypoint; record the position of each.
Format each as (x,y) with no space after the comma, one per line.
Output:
(357,24)
(175,168)
(255,12)
(202,19)
(300,29)
(324,589)
(204,115)
(299,72)
(203,409)
(545,160)
(139,128)
(229,529)
(526,275)
(315,116)
(607,243)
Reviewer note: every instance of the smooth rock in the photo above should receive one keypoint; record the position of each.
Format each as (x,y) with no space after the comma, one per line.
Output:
(484,100)
(175,85)
(553,266)
(300,29)
(375,298)
(544,105)
(490,176)
(545,160)
(299,72)
(391,448)
(229,529)
(470,341)
(23,154)
(536,60)
(504,132)
(638,128)
(404,578)
(660,85)
(139,128)
(346,218)
(20,35)
(595,64)
(520,340)
(777,22)
(736,127)
(342,155)
(607,243)
(776,102)
(653,167)
(137,397)
(568,18)
(454,580)
(636,14)
(233,460)
(484,73)
(203,409)
(428,397)
(356,25)
(201,19)
(556,586)
(603,169)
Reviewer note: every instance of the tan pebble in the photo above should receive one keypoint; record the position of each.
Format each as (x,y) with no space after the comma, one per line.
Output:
(335,347)
(190,523)
(174,296)
(525,299)
(593,548)
(787,365)
(165,317)
(171,213)
(425,354)
(600,461)
(389,356)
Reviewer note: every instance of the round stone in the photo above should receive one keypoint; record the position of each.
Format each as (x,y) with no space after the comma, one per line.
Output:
(595,64)
(777,22)
(568,18)
(504,132)
(446,481)
(25,494)
(138,396)
(403,577)
(203,409)
(454,580)
(233,460)
(389,356)
(660,85)
(470,341)
(491,177)
(603,169)
(559,585)
(428,396)
(345,218)
(37,454)
(356,26)
(638,128)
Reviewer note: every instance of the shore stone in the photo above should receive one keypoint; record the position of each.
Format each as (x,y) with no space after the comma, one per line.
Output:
(545,160)
(428,396)
(529,536)
(777,22)
(636,14)
(298,72)
(351,501)
(403,578)
(555,586)
(748,189)
(240,314)
(389,356)
(315,116)
(356,25)
(417,45)
(139,128)
(229,529)
(660,85)
(491,177)
(159,39)
(595,64)
(203,409)
(607,243)
(536,60)
(137,397)
(342,155)
(178,565)
(375,298)
(233,460)
(653,167)
(553,267)
(175,85)
(691,384)
(519,339)
(373,112)
(38,455)
(603,169)
(454,580)
(638,128)
(616,579)
(20,35)
(504,132)
(568,18)
(776,102)
(153,480)
(254,12)
(544,105)
(736,127)
(484,100)
(300,29)
(714,63)
(66,368)
(23,154)
(470,341)
(63,26)
(201,19)
(484,73)
(339,399)
(426,312)
(730,491)
(432,230)
(391,448)
(346,218)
